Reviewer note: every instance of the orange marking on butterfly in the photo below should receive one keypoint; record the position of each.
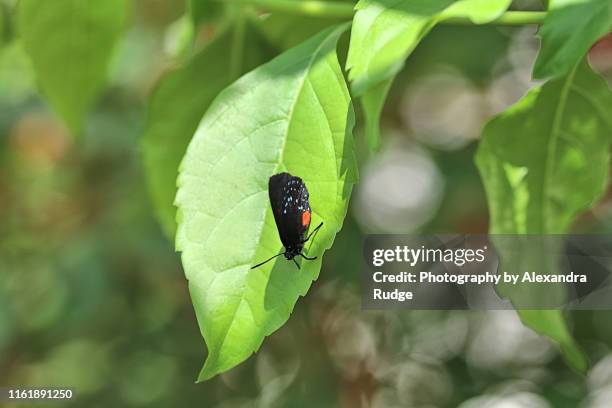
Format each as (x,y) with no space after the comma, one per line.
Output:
(306,218)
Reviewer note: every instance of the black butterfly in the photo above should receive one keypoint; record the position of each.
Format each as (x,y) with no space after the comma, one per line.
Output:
(292,213)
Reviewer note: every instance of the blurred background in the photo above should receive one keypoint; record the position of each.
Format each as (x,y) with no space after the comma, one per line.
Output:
(92,294)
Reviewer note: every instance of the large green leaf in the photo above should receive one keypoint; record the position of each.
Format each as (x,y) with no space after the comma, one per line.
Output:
(291,114)
(542,162)
(571,27)
(177,105)
(70,43)
(384,34)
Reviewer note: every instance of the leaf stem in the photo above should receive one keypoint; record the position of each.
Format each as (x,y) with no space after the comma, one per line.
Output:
(328,9)
(509,18)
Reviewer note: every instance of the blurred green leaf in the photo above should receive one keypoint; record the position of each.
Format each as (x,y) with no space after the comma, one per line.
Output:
(70,43)
(569,30)
(6,23)
(182,34)
(292,114)
(372,102)
(64,364)
(177,105)
(204,10)
(542,162)
(3,36)
(16,77)
(384,34)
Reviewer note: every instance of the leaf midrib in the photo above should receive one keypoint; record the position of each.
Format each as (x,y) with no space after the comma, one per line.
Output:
(552,146)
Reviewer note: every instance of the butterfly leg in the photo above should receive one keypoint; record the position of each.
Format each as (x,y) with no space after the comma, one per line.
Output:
(296,264)
(268,260)
(306,257)
(314,231)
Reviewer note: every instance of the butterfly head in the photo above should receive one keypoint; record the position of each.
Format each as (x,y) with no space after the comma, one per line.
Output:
(293,251)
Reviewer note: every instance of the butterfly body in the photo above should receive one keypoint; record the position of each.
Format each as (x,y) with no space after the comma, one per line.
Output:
(291,208)
(289,199)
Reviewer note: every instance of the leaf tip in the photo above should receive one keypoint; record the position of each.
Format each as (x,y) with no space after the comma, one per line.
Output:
(208,371)
(575,358)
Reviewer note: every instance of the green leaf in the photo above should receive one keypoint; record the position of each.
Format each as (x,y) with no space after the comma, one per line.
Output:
(569,30)
(385,32)
(177,105)
(70,43)
(543,161)
(372,102)
(16,77)
(204,10)
(6,24)
(292,114)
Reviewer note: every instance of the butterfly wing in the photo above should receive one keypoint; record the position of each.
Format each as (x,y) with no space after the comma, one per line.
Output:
(291,209)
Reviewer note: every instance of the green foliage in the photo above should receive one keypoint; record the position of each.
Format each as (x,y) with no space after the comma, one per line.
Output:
(177,106)
(372,102)
(3,28)
(570,29)
(384,34)
(543,161)
(6,23)
(552,324)
(552,146)
(70,43)
(286,31)
(291,114)
(204,10)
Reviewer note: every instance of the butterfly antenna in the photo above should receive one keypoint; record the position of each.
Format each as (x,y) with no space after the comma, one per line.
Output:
(306,257)
(313,232)
(266,261)
(296,264)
